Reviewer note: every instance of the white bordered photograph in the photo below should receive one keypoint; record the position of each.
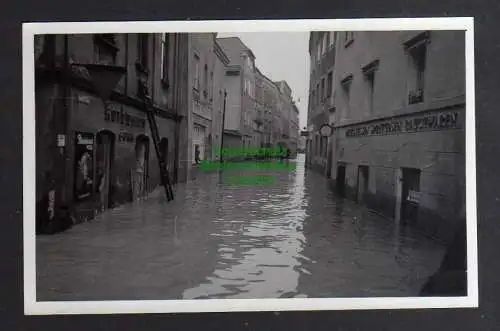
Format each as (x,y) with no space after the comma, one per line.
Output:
(273,165)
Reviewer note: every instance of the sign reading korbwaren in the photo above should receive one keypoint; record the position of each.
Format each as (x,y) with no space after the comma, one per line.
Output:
(114,113)
(428,122)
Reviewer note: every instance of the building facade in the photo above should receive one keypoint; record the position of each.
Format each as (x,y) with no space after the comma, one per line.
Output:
(95,153)
(219,89)
(294,129)
(268,101)
(399,144)
(322,52)
(243,127)
(285,113)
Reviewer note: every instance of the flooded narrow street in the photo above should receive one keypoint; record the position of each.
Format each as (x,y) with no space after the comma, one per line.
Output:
(290,238)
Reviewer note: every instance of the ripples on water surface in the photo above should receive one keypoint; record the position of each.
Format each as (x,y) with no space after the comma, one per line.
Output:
(293,238)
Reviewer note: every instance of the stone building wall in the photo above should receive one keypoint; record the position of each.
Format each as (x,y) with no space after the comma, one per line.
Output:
(393,135)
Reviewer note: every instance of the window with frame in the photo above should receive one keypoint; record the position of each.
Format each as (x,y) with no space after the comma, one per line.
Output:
(105,49)
(205,81)
(417,59)
(318,51)
(346,89)
(369,75)
(143,50)
(323,90)
(329,85)
(318,94)
(332,38)
(164,65)
(325,42)
(196,78)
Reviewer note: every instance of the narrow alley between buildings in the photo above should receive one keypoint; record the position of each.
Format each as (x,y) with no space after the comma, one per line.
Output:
(289,238)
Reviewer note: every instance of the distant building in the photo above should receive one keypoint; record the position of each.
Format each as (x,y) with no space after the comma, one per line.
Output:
(399,125)
(209,64)
(269,102)
(240,83)
(302,142)
(321,97)
(294,129)
(285,114)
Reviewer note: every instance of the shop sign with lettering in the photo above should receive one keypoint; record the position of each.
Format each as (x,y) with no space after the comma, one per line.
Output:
(114,113)
(429,122)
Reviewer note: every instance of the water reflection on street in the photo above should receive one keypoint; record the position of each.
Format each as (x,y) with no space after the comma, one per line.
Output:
(291,238)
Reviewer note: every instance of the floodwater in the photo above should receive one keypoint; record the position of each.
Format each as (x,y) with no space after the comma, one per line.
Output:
(281,238)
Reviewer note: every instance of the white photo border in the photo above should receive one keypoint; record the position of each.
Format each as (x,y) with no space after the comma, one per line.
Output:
(32,307)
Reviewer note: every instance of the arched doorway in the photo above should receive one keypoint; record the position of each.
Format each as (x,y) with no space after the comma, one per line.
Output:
(104,168)
(141,166)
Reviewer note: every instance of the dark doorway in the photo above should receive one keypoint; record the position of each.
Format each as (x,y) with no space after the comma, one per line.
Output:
(141,166)
(340,180)
(363,180)
(410,195)
(104,168)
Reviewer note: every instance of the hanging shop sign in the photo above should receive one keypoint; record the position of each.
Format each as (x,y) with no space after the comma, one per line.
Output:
(326,130)
(114,113)
(433,122)
(84,170)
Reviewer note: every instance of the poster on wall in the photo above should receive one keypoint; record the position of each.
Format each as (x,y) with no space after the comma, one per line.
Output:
(84,162)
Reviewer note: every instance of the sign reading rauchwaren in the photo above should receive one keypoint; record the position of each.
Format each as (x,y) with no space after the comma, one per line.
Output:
(429,122)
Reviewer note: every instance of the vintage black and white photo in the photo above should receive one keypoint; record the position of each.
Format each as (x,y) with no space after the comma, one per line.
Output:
(316,164)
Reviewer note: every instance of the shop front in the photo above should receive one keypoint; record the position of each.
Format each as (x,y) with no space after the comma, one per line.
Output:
(114,160)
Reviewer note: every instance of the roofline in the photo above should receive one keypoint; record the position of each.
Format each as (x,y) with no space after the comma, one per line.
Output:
(267,78)
(221,54)
(241,41)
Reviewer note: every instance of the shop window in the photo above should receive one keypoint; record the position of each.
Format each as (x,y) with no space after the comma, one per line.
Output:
(84,165)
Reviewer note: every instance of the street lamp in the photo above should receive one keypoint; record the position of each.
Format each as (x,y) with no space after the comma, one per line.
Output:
(222,130)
